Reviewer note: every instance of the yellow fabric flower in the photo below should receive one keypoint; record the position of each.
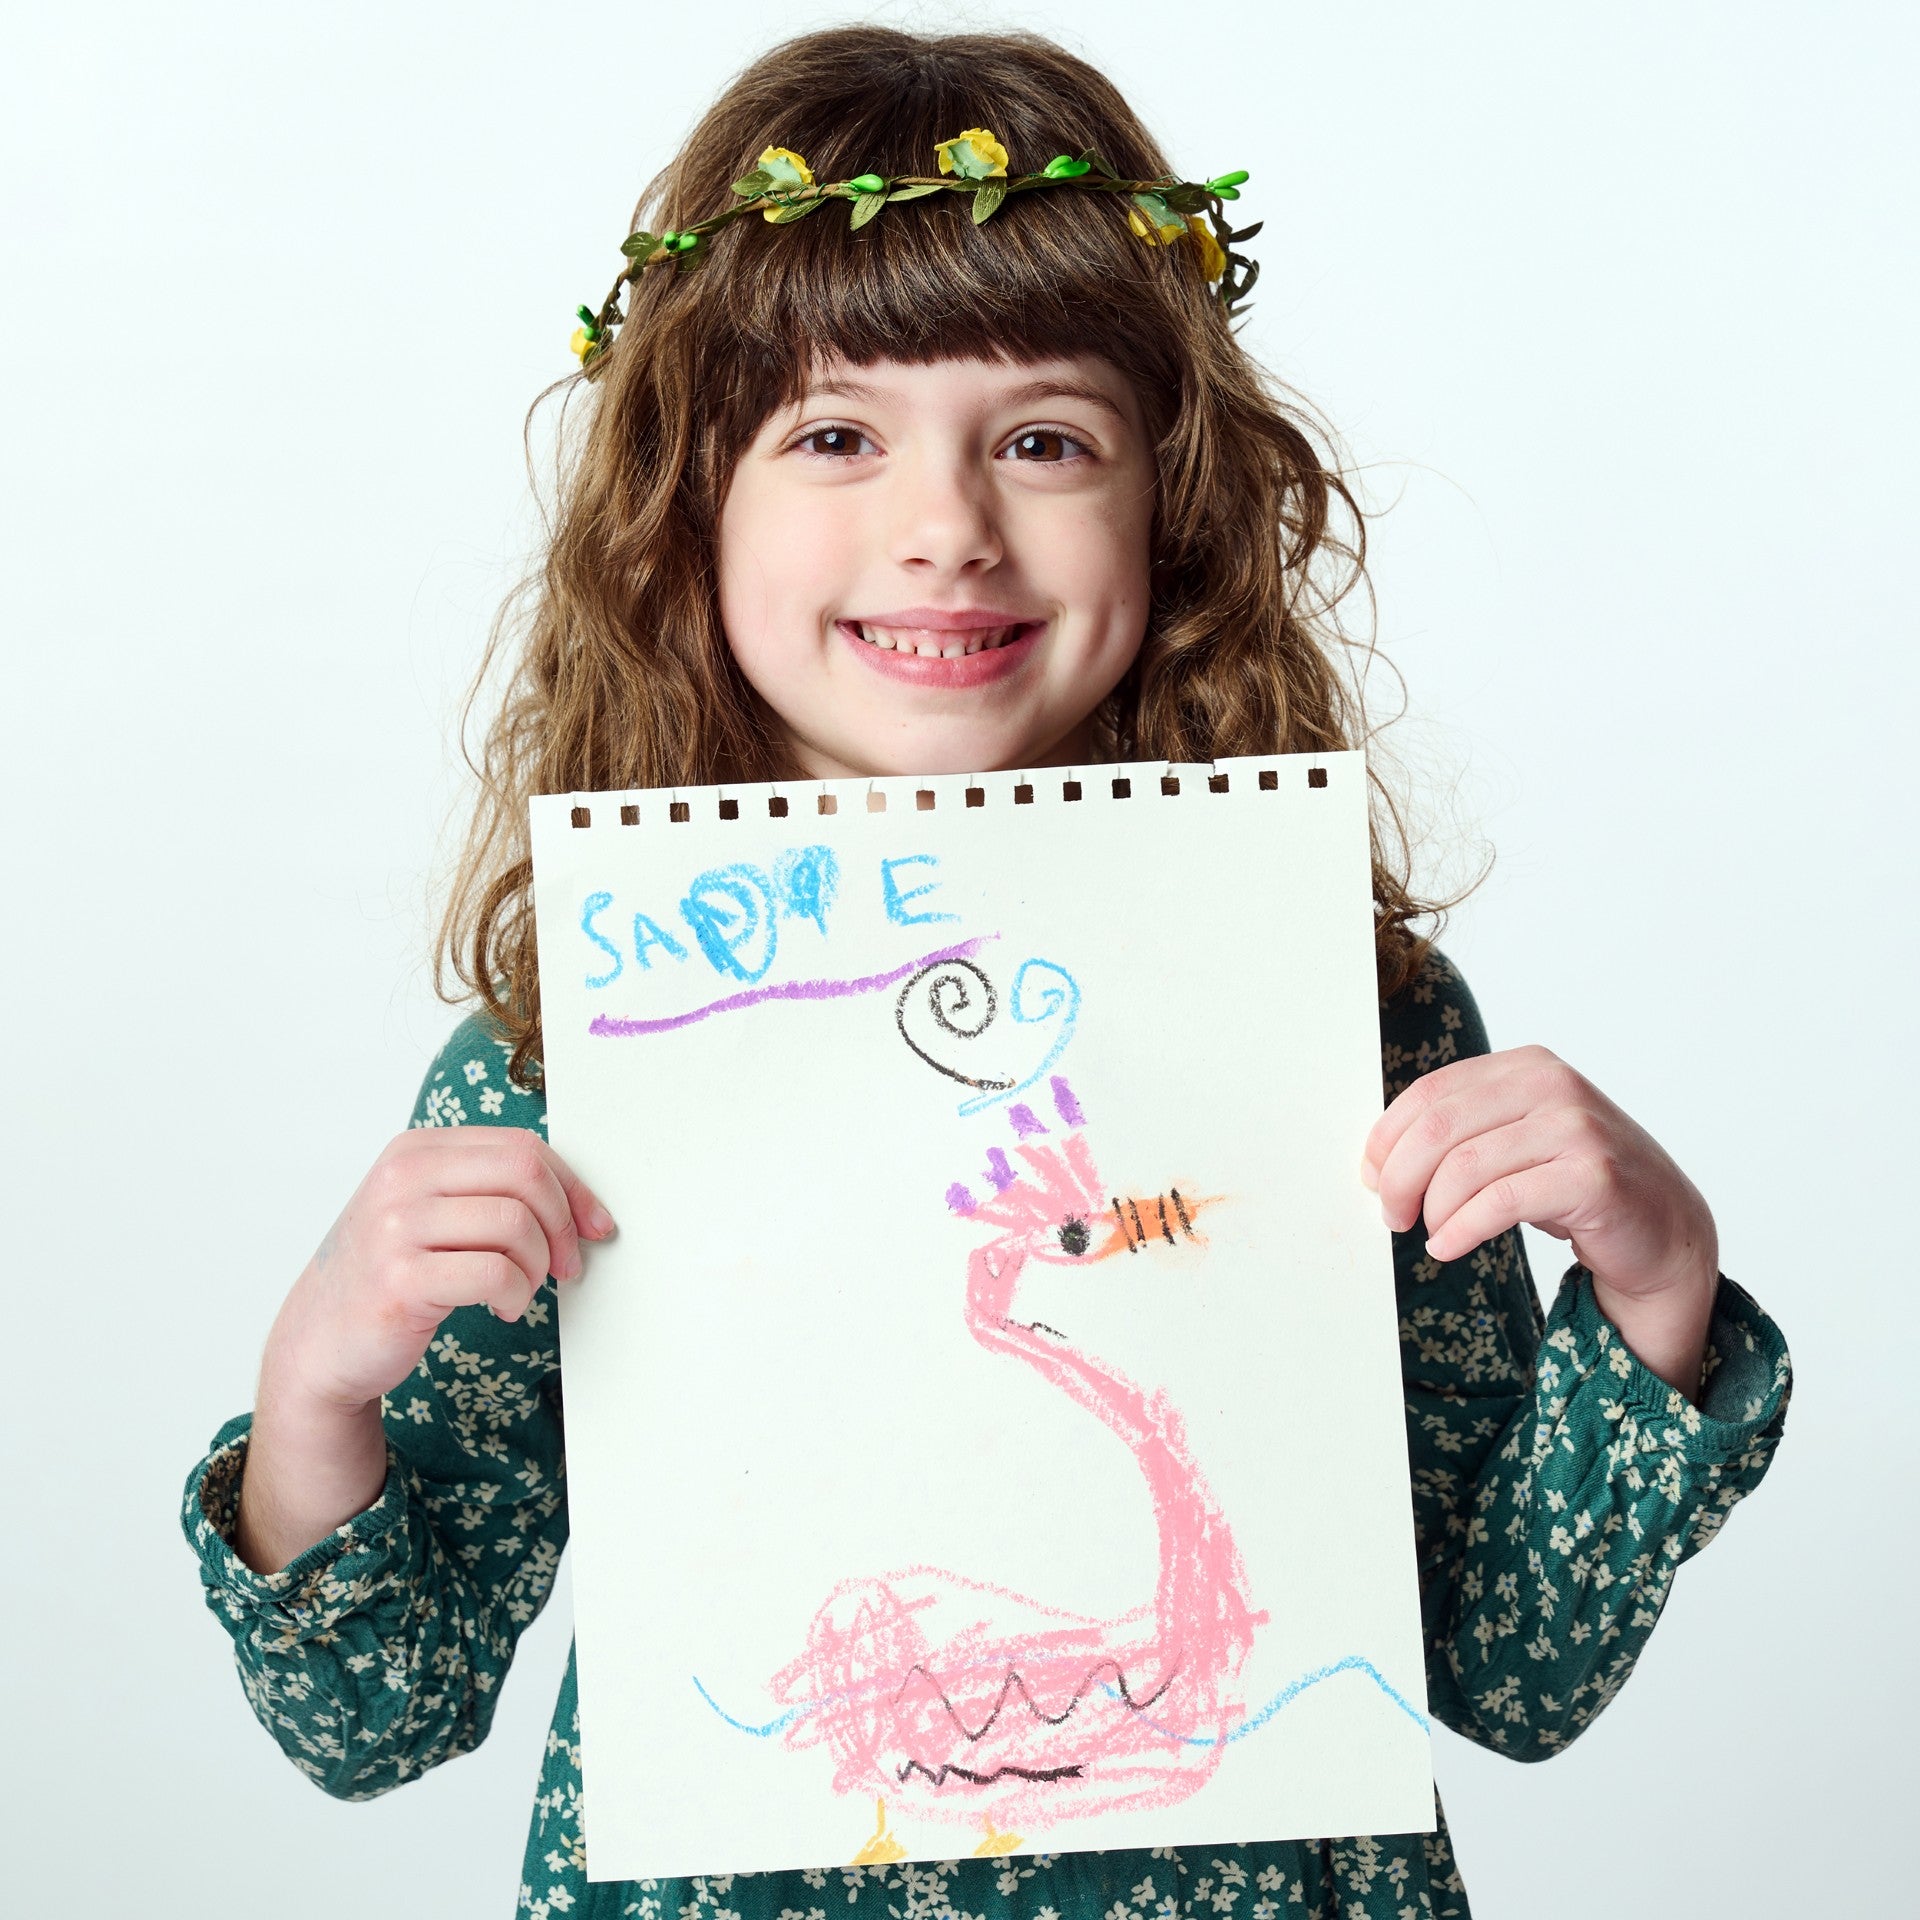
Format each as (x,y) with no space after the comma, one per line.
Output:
(1212,255)
(973,155)
(1164,226)
(581,344)
(788,170)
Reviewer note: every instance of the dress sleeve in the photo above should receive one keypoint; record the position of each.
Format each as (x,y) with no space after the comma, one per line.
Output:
(379,1652)
(1558,1484)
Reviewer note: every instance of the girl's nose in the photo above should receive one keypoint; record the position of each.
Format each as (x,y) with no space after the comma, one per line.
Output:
(942,517)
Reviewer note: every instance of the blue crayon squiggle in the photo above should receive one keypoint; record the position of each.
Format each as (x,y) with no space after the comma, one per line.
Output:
(1351,1663)
(1063,999)
(776,1725)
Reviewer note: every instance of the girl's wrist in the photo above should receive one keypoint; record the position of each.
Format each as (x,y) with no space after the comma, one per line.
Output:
(311,1466)
(1666,1329)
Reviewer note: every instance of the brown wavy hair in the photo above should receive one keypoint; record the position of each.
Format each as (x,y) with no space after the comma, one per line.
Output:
(623,676)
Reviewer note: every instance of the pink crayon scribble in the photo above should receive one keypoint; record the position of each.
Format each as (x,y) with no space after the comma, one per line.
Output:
(967,1702)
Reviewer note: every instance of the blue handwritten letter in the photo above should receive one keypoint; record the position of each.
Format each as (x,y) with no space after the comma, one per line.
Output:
(649,933)
(805,879)
(594,904)
(896,901)
(727,907)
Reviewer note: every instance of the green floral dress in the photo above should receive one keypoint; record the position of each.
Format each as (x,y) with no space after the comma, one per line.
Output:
(1557,1487)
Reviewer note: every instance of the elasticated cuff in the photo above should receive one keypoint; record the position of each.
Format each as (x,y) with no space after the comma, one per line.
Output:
(331,1578)
(1749,1374)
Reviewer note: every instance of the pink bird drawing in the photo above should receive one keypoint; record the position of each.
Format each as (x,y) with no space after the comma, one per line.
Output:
(964,1702)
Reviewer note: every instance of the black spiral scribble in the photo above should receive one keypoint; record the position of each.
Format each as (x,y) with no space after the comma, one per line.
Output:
(949,999)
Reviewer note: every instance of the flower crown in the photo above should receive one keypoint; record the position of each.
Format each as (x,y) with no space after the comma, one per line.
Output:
(782,189)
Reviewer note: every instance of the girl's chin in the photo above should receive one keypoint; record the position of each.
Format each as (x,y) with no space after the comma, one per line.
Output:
(935,749)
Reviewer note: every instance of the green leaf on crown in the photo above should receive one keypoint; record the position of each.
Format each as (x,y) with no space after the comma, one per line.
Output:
(636,246)
(865,206)
(1155,207)
(757,182)
(781,172)
(915,193)
(987,198)
(798,210)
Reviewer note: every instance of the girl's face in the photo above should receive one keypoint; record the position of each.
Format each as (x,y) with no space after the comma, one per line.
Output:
(943,568)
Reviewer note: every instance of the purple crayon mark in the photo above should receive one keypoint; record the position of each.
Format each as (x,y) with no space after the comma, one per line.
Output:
(959,1199)
(1002,1175)
(1025,1124)
(1064,1104)
(614,1026)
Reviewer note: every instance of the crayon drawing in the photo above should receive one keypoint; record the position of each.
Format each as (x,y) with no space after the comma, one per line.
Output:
(952,1426)
(1013,1727)
(1015,1713)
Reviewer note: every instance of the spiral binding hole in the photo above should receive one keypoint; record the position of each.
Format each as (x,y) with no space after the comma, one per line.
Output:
(582,817)
(729,809)
(1070,790)
(923,799)
(776,806)
(829,803)
(1169,783)
(679,812)
(876,800)
(1216,783)
(976,796)
(1023,796)
(629,816)
(1316,776)
(1123,789)
(1269,780)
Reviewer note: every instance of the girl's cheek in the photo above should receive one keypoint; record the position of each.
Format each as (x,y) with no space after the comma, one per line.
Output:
(816,555)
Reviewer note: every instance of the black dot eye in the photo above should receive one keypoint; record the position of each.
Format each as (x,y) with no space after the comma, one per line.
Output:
(1074,1237)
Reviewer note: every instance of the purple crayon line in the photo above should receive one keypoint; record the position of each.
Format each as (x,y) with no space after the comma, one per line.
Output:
(615,1026)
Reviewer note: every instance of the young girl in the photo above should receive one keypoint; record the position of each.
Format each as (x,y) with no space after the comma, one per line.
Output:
(944,493)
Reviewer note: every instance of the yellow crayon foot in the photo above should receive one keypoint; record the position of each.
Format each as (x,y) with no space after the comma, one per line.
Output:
(996,1842)
(882,1846)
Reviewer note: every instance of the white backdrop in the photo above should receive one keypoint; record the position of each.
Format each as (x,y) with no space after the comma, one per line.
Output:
(1618,306)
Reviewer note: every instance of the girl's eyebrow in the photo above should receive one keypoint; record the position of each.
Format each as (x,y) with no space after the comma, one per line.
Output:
(1029,393)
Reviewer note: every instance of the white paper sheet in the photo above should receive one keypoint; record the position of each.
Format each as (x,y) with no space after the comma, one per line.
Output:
(985,1431)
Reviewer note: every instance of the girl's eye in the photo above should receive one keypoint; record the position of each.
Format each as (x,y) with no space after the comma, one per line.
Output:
(832,442)
(1045,444)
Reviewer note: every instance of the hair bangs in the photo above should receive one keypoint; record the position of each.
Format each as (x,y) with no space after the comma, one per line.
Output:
(1053,275)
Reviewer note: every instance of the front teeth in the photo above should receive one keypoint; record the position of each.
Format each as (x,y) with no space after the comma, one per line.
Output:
(934,646)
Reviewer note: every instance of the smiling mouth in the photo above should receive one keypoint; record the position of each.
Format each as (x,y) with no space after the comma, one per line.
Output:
(928,643)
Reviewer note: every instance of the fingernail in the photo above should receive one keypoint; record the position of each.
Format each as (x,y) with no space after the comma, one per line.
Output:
(571,1267)
(1368,1177)
(599,1221)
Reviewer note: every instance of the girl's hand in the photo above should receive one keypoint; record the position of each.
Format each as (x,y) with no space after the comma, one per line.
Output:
(446,1217)
(1481,1145)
